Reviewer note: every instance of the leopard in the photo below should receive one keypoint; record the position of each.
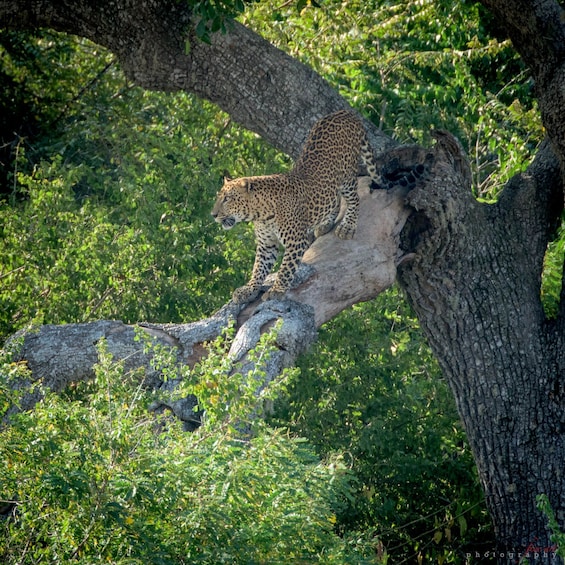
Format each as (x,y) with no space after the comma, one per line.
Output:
(293,209)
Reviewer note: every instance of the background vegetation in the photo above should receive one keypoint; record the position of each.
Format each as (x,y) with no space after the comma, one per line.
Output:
(104,213)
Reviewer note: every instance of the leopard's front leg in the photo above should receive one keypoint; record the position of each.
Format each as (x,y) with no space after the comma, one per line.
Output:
(293,254)
(265,257)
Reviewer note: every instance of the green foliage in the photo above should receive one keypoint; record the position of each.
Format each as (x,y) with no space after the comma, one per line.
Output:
(416,66)
(96,479)
(383,405)
(11,373)
(113,221)
(557,537)
(552,277)
(223,388)
(215,15)
(67,260)
(39,81)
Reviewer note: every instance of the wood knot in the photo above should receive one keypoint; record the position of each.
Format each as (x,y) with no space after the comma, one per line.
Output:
(449,149)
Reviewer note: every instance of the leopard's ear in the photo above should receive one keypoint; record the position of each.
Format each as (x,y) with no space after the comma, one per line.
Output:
(227,176)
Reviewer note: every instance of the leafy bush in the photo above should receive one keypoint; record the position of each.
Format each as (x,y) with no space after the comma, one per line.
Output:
(382,404)
(552,276)
(96,478)
(557,536)
(416,66)
(39,81)
(114,219)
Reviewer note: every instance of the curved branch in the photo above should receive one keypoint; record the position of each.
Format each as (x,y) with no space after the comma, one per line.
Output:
(261,87)
(537,31)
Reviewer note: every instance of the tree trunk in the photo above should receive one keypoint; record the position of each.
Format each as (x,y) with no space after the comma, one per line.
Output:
(474,280)
(475,286)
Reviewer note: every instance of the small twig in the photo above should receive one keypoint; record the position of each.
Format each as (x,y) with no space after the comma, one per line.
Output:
(5,275)
(80,93)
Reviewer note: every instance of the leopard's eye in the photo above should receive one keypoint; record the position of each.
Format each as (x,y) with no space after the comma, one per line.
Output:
(227,198)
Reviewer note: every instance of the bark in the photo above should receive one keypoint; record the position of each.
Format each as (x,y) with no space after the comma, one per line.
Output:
(475,286)
(474,277)
(260,86)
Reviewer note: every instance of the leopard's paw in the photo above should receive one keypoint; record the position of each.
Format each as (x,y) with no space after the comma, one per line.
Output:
(273,294)
(345,231)
(245,294)
(323,228)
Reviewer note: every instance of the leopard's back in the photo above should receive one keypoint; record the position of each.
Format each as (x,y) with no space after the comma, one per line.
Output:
(299,206)
(327,170)
(331,151)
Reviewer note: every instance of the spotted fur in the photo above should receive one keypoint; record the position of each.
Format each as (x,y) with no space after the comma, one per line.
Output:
(294,208)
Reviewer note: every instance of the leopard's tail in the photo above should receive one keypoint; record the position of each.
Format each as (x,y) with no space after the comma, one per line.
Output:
(370,163)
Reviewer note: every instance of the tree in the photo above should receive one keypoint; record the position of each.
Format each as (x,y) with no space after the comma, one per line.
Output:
(471,270)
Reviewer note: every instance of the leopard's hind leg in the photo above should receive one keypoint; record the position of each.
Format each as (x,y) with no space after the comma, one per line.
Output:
(348,224)
(328,220)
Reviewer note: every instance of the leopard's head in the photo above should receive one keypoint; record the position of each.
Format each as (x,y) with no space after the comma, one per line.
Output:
(233,203)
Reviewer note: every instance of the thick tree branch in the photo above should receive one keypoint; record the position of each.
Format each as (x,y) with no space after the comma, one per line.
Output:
(260,86)
(335,275)
(537,31)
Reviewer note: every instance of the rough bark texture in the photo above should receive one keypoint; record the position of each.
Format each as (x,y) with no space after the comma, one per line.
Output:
(474,277)
(475,285)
